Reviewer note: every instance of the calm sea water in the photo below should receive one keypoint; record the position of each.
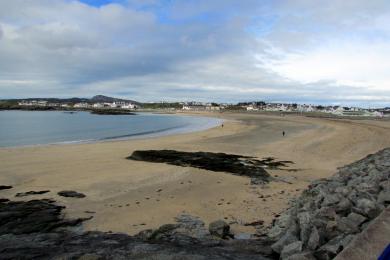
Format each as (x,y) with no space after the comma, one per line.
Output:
(20,128)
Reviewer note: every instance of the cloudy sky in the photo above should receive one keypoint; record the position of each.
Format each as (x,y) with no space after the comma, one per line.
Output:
(331,52)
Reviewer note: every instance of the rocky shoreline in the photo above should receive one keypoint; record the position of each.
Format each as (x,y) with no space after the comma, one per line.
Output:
(331,212)
(318,225)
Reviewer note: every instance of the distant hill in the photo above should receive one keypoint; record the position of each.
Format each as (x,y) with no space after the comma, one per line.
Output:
(95,99)
(103,99)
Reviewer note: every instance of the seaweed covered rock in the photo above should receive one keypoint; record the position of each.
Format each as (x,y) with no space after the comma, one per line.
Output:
(219,162)
(71,194)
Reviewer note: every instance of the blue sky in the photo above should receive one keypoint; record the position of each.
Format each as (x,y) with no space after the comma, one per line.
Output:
(98,3)
(333,52)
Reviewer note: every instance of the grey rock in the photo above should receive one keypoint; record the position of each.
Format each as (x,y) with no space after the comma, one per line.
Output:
(302,256)
(331,230)
(90,257)
(145,235)
(384,197)
(287,239)
(330,249)
(331,199)
(344,206)
(351,223)
(242,236)
(291,249)
(304,220)
(343,190)
(328,213)
(314,239)
(219,229)
(282,223)
(192,226)
(368,208)
(385,185)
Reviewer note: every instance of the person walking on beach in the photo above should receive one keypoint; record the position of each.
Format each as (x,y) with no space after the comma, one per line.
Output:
(222,125)
(284,133)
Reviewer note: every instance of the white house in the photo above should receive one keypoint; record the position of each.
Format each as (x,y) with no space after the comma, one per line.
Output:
(98,105)
(81,105)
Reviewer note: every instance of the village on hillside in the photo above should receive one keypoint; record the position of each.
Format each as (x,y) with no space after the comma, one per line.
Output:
(201,106)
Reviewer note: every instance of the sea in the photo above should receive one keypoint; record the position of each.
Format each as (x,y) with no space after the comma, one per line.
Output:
(29,128)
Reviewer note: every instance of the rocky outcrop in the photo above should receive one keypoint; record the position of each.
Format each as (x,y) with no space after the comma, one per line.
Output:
(327,216)
(5,187)
(36,229)
(71,194)
(219,162)
(28,193)
(109,111)
(20,217)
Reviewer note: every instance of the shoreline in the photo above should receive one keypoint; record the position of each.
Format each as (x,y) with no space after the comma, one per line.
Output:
(99,170)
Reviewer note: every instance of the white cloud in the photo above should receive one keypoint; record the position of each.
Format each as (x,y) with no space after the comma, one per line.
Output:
(346,63)
(295,50)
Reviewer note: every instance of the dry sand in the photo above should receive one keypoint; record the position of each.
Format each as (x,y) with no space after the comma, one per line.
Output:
(124,195)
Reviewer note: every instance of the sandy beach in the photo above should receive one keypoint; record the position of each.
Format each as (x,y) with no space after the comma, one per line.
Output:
(130,196)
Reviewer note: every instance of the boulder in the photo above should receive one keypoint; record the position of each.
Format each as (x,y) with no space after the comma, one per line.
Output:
(291,249)
(302,256)
(219,229)
(331,230)
(304,220)
(385,185)
(384,197)
(281,224)
(368,207)
(330,249)
(314,239)
(351,223)
(287,239)
(344,206)
(331,199)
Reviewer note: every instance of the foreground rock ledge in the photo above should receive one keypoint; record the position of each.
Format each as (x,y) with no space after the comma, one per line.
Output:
(36,229)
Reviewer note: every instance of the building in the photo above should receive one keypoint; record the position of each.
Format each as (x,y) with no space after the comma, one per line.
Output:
(98,105)
(81,105)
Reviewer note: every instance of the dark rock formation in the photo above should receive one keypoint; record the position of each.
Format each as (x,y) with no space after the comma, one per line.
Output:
(111,112)
(30,230)
(24,194)
(332,211)
(71,194)
(5,187)
(19,217)
(220,162)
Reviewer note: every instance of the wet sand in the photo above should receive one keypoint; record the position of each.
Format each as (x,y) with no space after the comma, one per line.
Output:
(129,196)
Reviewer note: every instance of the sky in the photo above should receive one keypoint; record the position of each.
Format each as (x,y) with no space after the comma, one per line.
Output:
(320,52)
